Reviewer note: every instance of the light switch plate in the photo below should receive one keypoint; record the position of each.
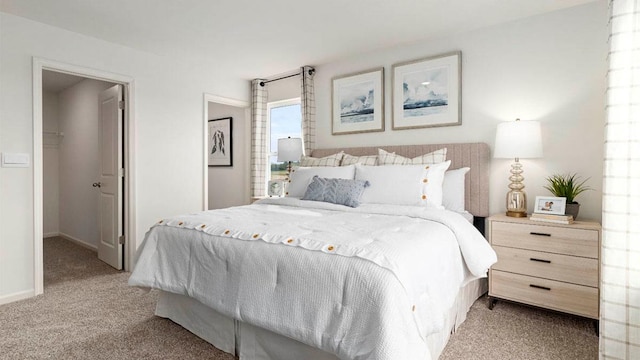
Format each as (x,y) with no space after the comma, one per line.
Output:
(15,160)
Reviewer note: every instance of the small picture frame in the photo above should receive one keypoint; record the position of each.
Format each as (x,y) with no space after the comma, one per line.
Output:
(275,188)
(220,146)
(550,205)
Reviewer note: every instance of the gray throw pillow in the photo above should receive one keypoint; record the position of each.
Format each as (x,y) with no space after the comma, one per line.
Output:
(337,191)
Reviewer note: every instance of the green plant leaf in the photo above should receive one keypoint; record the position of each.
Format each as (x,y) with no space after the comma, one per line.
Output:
(568,186)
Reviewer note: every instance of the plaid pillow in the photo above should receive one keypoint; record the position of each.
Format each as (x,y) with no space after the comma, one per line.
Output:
(370,160)
(331,160)
(435,157)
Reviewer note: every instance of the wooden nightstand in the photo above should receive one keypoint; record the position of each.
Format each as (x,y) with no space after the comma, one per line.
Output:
(548,265)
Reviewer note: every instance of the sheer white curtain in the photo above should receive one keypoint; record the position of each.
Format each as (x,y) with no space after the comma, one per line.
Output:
(620,292)
(258,138)
(308,108)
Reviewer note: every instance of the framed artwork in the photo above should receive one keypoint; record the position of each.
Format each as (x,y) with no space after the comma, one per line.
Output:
(220,149)
(550,205)
(357,102)
(427,92)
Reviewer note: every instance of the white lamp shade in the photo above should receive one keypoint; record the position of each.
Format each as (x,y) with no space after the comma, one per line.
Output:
(289,149)
(518,139)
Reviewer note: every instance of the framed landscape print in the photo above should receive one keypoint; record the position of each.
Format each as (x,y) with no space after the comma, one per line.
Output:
(220,142)
(358,102)
(427,92)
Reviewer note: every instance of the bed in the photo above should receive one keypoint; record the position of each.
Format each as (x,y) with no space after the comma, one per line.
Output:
(291,278)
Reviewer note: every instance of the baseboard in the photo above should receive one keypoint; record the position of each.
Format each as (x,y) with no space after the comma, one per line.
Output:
(79,242)
(5,299)
(50,234)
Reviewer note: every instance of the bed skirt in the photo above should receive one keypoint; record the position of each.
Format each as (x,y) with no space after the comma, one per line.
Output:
(254,343)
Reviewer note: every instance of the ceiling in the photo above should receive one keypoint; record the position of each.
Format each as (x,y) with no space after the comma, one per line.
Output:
(260,38)
(55,82)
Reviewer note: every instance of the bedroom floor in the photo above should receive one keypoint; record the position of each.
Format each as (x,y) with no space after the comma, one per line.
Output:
(88,311)
(512,331)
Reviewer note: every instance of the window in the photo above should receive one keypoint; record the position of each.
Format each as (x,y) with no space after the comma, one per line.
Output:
(284,118)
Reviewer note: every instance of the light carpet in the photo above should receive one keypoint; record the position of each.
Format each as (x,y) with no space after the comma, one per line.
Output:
(89,312)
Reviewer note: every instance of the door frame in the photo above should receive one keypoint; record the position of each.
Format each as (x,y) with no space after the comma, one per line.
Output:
(205,148)
(130,226)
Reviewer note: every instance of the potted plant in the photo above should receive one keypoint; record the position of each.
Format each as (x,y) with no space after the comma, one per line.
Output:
(568,186)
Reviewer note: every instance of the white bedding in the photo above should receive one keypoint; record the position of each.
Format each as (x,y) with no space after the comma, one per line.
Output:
(373,282)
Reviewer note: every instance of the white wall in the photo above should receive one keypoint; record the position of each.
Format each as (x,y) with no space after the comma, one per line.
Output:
(80,160)
(549,68)
(284,89)
(169,132)
(50,158)
(229,186)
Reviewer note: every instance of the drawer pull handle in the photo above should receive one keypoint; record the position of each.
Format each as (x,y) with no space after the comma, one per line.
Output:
(539,234)
(540,287)
(541,260)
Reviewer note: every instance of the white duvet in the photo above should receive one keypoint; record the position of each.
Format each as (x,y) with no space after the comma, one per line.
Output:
(364,283)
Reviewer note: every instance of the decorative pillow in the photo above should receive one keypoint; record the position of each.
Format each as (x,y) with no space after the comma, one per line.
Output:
(433,184)
(404,184)
(453,189)
(331,160)
(364,160)
(434,157)
(301,177)
(337,191)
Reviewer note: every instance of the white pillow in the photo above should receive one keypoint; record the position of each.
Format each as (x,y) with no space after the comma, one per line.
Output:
(301,177)
(364,160)
(433,186)
(403,184)
(453,189)
(434,157)
(331,160)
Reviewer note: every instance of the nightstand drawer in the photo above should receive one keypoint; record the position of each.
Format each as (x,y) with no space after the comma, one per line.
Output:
(578,270)
(575,299)
(560,240)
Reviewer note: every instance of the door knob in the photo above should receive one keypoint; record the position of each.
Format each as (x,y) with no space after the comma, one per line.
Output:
(97,184)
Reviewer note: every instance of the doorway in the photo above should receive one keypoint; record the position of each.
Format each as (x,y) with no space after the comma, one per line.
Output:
(83,141)
(72,157)
(221,183)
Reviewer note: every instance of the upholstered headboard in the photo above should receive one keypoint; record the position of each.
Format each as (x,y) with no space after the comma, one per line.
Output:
(473,155)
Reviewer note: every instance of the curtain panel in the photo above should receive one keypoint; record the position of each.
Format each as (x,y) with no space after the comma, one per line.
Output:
(620,290)
(308,108)
(258,138)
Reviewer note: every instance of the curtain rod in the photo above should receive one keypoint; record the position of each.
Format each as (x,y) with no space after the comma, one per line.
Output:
(262,83)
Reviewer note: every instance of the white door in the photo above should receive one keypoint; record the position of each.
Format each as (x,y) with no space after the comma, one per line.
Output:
(111,176)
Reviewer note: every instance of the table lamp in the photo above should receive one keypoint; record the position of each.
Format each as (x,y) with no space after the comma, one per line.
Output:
(518,140)
(289,149)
